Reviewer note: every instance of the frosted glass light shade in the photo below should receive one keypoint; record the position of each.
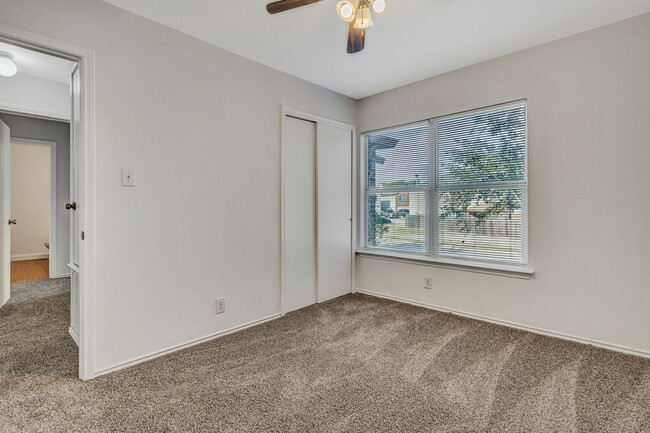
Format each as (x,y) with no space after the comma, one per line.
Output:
(379,6)
(345,9)
(363,17)
(7,66)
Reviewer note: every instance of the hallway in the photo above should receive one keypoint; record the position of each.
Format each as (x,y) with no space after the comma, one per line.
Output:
(27,270)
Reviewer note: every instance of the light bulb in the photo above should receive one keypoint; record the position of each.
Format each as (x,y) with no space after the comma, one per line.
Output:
(7,66)
(379,6)
(363,17)
(345,9)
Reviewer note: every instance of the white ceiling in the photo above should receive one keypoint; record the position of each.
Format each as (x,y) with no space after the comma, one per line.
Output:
(40,65)
(410,41)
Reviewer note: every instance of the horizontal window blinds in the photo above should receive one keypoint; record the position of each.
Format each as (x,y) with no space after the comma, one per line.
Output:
(483,224)
(482,148)
(398,158)
(397,220)
(397,176)
(453,186)
(478,154)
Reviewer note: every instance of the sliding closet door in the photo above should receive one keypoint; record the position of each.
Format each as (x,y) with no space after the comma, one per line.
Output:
(299,213)
(334,186)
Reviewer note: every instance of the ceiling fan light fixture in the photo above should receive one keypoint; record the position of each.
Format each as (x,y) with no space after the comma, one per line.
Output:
(363,17)
(7,66)
(379,6)
(345,9)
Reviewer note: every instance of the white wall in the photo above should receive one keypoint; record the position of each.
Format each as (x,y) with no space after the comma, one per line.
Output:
(201,126)
(30,200)
(589,200)
(24,93)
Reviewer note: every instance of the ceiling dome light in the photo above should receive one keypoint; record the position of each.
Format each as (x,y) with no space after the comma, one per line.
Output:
(7,66)
(363,17)
(379,6)
(345,9)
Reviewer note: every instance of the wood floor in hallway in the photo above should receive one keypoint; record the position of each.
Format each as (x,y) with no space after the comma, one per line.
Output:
(25,270)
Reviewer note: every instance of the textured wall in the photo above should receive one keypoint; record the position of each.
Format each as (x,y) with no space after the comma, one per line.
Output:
(201,126)
(24,93)
(589,201)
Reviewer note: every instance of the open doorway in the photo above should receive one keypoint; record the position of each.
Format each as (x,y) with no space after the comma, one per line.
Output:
(37,241)
(41,168)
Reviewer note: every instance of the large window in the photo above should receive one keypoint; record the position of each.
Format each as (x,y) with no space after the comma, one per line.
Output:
(453,186)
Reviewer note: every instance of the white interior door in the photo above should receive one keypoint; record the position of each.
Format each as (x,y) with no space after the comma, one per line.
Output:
(5,216)
(75,172)
(75,206)
(334,186)
(299,213)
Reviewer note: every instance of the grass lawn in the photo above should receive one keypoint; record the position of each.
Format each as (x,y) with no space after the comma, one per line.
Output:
(459,244)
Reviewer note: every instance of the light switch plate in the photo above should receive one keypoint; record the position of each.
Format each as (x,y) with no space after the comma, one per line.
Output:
(221,305)
(128,177)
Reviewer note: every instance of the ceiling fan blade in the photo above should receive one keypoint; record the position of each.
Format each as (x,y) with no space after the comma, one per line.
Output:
(356,39)
(285,5)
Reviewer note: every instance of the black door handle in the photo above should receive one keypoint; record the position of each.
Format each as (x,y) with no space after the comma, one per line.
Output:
(72,206)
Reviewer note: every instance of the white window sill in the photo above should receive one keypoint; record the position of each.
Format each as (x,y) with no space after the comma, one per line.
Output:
(514,271)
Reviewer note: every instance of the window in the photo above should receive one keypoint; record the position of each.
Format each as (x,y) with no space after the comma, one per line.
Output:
(453,186)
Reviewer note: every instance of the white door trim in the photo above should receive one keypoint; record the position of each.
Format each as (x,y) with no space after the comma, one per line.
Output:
(53,201)
(85,58)
(304,115)
(26,111)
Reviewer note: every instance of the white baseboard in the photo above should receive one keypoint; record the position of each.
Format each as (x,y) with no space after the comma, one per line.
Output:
(540,331)
(191,343)
(37,256)
(74,335)
(61,276)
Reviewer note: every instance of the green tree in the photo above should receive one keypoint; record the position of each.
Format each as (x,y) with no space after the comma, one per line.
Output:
(493,151)
(381,226)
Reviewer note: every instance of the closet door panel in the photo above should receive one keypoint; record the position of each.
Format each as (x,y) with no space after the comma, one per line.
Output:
(334,205)
(299,214)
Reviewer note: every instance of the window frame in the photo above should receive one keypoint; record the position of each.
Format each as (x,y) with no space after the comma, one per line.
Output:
(432,193)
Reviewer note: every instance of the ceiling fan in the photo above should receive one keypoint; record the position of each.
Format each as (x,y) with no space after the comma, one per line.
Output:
(355,12)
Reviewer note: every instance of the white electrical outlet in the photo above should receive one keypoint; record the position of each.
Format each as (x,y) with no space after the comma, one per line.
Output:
(428,282)
(221,305)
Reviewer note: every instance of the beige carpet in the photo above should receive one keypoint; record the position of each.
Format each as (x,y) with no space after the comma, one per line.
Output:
(355,364)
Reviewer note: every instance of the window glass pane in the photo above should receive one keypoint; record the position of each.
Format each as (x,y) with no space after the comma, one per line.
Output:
(482,147)
(482,224)
(398,157)
(396,221)
(480,185)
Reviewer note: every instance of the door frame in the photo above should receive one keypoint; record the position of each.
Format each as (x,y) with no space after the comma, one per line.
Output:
(53,198)
(86,60)
(310,117)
